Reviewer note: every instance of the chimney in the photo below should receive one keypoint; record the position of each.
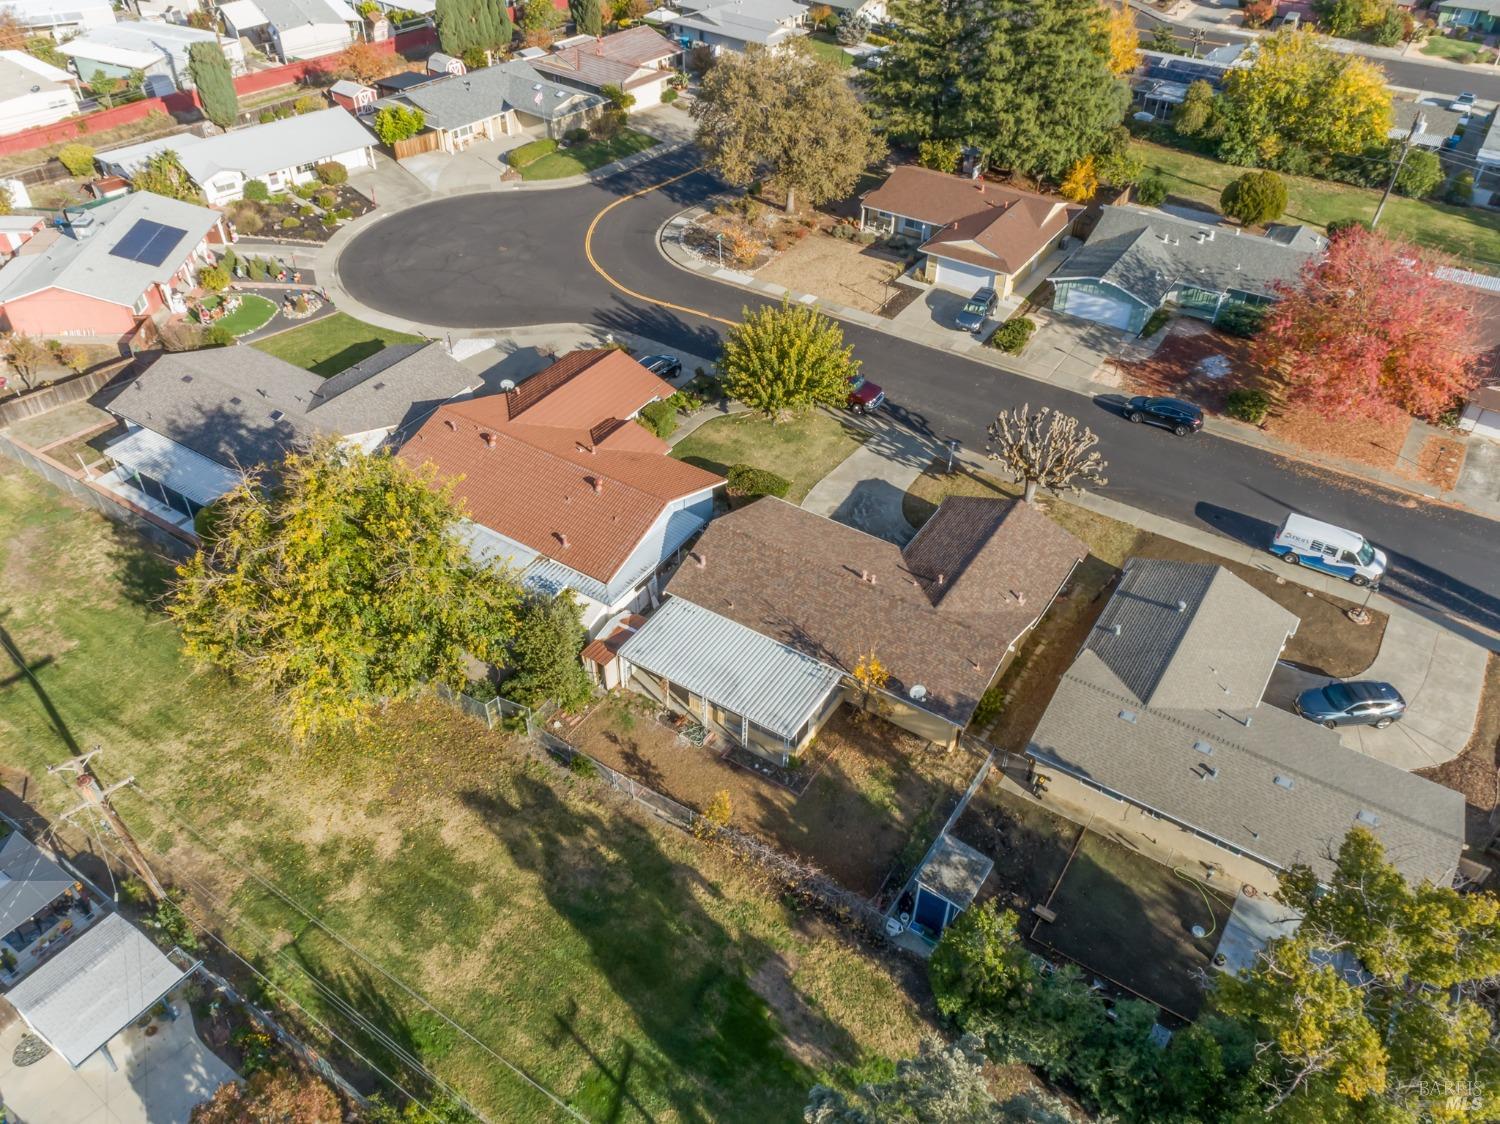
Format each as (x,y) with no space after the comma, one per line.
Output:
(489,440)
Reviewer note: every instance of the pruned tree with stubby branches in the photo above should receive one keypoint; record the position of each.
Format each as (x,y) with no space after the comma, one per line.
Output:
(1045,449)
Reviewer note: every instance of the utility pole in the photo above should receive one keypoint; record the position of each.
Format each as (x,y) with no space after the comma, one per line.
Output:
(1417,126)
(96,798)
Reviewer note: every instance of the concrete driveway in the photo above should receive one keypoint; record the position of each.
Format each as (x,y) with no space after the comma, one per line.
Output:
(1066,347)
(159,1080)
(866,489)
(1440,675)
(478,166)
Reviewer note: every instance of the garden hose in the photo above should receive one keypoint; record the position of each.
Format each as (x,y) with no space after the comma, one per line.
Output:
(1213,920)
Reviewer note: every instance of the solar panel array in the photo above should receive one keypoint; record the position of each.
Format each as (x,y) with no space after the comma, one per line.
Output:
(148,242)
(1183,70)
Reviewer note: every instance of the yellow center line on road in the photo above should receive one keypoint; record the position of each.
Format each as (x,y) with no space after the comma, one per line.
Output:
(588,249)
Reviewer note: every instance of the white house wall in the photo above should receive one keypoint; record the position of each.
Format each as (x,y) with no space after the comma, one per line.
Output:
(228,186)
(309,41)
(40,108)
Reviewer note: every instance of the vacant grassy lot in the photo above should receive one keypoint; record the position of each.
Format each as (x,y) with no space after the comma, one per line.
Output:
(587,156)
(331,344)
(636,973)
(1470,233)
(804,450)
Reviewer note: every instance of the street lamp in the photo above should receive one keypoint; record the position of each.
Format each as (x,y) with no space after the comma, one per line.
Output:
(719,241)
(953,447)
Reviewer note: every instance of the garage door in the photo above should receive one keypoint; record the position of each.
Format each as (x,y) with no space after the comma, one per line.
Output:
(1482,422)
(967,279)
(1099,307)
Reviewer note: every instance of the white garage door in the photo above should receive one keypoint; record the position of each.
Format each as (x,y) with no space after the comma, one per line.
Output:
(648,94)
(967,279)
(1100,308)
(1482,422)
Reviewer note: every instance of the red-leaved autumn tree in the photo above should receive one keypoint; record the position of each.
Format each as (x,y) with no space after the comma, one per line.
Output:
(1369,331)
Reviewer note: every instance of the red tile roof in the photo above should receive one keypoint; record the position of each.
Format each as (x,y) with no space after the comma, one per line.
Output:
(982,223)
(557,465)
(606,648)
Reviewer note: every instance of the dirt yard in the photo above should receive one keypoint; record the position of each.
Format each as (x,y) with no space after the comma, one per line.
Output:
(877,799)
(1203,366)
(836,270)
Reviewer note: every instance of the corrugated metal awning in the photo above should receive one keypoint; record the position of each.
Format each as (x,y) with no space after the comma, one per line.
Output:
(94,988)
(732,666)
(187,473)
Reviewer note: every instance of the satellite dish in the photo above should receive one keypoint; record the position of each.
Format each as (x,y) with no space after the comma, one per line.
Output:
(917,692)
(507,385)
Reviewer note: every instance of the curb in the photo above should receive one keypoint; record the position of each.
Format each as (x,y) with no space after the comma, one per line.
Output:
(669,247)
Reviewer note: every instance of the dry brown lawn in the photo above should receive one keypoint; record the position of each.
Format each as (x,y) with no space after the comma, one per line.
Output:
(834,270)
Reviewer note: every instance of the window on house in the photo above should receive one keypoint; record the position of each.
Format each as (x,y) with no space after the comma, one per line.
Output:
(139,307)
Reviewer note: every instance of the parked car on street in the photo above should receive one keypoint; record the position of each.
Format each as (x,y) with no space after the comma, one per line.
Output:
(1302,541)
(1365,703)
(864,396)
(976,310)
(1182,418)
(1463,103)
(662,366)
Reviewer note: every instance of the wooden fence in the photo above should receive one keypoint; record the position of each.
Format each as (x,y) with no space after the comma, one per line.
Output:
(415,146)
(74,388)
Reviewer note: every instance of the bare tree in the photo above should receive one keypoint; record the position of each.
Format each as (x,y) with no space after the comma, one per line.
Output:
(1045,448)
(25,355)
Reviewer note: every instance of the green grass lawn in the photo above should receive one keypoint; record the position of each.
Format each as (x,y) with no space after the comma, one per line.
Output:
(254,312)
(1460,50)
(804,450)
(331,344)
(587,156)
(828,47)
(1465,232)
(636,972)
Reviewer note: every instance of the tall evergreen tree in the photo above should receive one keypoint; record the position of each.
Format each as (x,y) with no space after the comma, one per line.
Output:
(1028,82)
(473,25)
(214,80)
(587,16)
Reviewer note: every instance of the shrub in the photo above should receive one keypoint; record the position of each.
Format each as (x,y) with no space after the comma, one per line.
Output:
(1154,323)
(1012,336)
(248,220)
(866,237)
(213,278)
(216,335)
(1248,405)
(748,482)
(77,158)
(530,153)
(1421,174)
(309,103)
(1151,191)
(333,173)
(1338,226)
(576,136)
(939,155)
(660,418)
(257,269)
(1254,198)
(328,200)
(1462,190)
(267,116)
(256,191)
(669,95)
(608,124)
(344,214)
(1240,318)
(291,222)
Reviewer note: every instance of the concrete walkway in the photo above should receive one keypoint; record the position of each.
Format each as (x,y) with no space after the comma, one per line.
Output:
(866,489)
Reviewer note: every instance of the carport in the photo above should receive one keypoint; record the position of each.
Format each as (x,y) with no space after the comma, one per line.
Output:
(96,987)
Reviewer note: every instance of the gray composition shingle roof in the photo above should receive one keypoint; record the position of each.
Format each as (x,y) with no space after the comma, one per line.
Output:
(750,21)
(462,99)
(1163,634)
(240,407)
(1147,254)
(1255,777)
(29,880)
(1439,123)
(86,265)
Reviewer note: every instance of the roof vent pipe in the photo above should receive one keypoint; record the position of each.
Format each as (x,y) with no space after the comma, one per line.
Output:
(597,485)
(942,578)
(489,440)
(1182,606)
(698,559)
(1114,629)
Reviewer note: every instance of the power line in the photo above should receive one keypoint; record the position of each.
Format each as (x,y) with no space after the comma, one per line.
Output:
(158,803)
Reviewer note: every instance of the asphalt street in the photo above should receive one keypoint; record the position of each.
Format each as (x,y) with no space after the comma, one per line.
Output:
(1482,81)
(493,260)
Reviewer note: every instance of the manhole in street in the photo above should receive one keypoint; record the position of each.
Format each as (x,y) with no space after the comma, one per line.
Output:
(30,1050)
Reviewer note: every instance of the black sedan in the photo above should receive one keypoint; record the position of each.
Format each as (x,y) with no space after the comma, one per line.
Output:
(1180,417)
(662,366)
(1352,704)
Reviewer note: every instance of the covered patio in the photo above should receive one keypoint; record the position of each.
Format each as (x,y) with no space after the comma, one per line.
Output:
(168,474)
(42,908)
(742,685)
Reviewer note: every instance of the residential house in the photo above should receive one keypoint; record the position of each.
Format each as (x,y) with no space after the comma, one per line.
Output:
(972,233)
(1158,733)
(110,267)
(1160,83)
(638,60)
(76,972)
(281,154)
(871,11)
(292,29)
(734,25)
(506,99)
(157,49)
(33,92)
(196,419)
(62,18)
(1137,261)
(564,486)
(17,230)
(1479,15)
(1480,292)
(356,98)
(775,607)
(402,80)
(1438,127)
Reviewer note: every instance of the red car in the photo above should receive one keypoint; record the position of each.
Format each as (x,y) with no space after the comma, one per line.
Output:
(864,395)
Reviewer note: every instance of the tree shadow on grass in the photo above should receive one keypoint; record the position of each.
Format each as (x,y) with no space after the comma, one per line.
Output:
(716,1050)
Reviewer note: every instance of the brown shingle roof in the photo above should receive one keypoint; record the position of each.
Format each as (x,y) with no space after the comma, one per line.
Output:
(835,593)
(983,223)
(612,60)
(557,466)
